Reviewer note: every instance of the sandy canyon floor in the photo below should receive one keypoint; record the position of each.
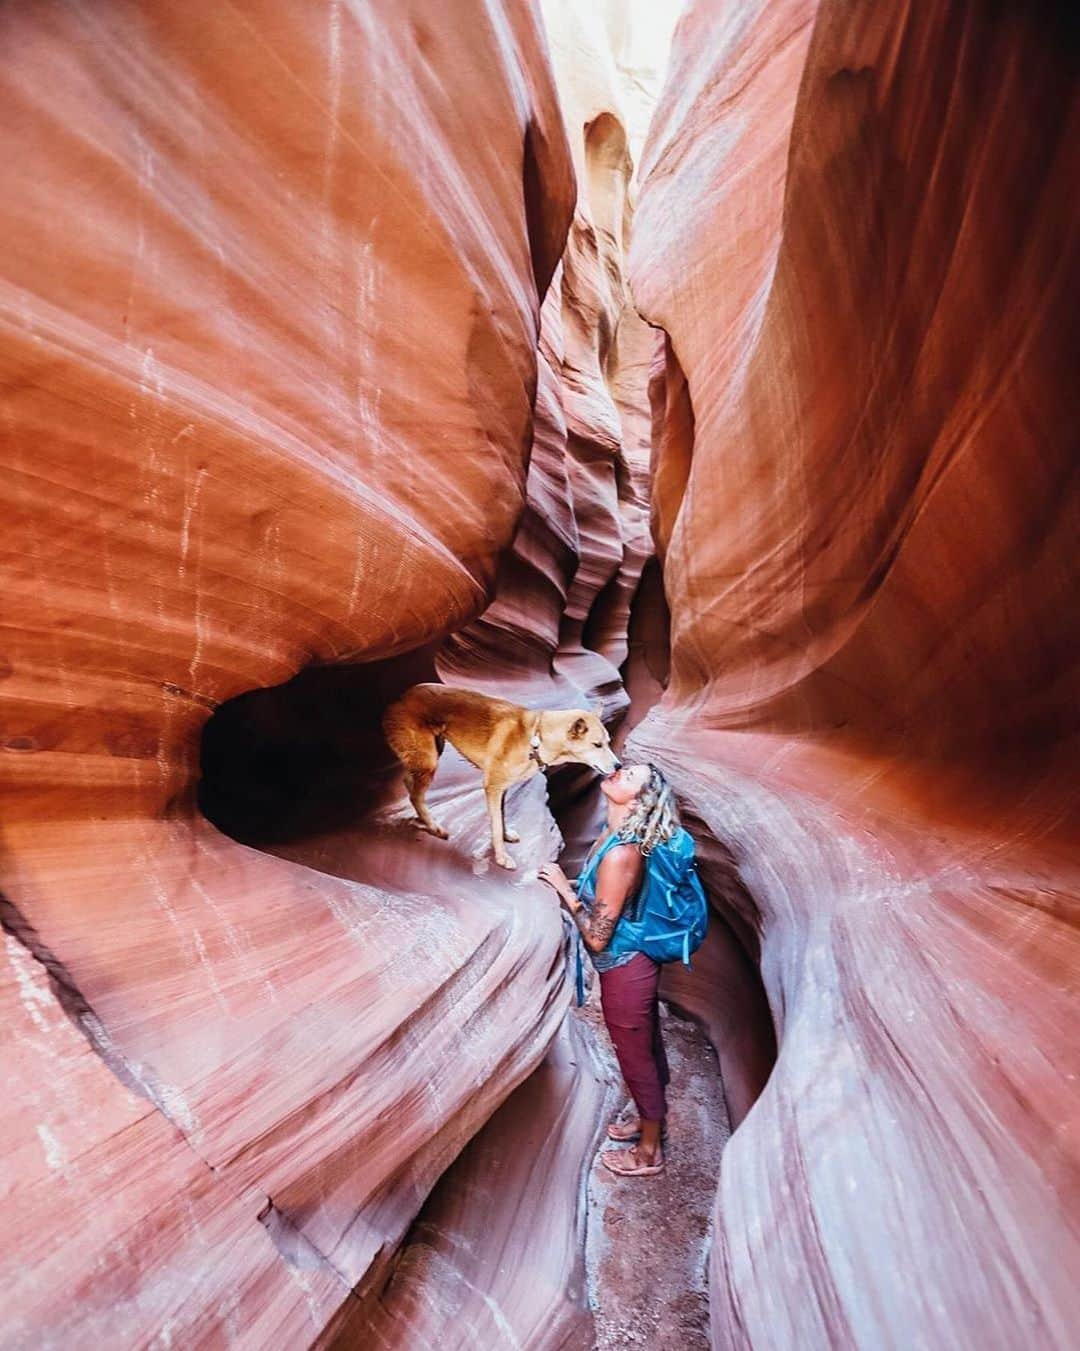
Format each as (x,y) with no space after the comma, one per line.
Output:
(648,1238)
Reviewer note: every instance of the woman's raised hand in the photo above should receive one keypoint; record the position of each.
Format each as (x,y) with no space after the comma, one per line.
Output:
(554,876)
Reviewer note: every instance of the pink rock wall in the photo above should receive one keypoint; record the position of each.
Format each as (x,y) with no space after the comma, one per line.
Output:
(497,1254)
(857,227)
(313,359)
(281,398)
(270,303)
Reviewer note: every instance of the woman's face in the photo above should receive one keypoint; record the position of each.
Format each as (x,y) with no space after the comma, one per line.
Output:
(625,784)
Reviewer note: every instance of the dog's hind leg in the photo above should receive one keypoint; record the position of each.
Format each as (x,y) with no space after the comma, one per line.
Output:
(494,794)
(416,785)
(417,747)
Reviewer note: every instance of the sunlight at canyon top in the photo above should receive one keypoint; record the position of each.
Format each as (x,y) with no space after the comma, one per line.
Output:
(611,57)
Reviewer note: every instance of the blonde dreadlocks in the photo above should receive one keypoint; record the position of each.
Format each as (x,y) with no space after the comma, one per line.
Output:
(654,817)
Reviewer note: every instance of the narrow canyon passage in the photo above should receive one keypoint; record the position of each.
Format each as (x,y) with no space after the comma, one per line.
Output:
(280,773)
(647,1247)
(711,363)
(633,1260)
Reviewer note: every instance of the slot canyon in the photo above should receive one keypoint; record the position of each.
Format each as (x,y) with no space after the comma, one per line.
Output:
(712,361)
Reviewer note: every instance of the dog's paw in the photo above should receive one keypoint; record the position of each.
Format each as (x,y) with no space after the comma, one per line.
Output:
(511,837)
(433,829)
(505,861)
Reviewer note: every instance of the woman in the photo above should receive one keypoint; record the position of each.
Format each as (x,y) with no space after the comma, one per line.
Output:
(641,814)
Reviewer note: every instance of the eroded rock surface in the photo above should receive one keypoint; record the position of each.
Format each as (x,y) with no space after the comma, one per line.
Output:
(270,300)
(316,359)
(497,1256)
(279,396)
(856,228)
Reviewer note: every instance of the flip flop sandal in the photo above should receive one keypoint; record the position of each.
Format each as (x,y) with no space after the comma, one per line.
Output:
(609,1157)
(623,1131)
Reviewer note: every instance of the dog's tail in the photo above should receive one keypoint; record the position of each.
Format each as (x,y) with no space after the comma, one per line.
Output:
(414,737)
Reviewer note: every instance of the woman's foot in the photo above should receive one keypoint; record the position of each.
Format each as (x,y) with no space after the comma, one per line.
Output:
(624,1130)
(630,1129)
(633,1162)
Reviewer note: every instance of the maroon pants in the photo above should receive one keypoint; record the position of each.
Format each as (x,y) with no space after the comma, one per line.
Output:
(632,1014)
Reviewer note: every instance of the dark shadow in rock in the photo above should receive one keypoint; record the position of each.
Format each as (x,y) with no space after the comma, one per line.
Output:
(648,661)
(306,757)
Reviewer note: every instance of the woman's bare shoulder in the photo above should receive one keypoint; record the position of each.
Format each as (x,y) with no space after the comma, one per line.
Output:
(621,860)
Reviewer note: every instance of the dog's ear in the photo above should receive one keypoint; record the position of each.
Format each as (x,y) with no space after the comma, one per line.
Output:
(579,729)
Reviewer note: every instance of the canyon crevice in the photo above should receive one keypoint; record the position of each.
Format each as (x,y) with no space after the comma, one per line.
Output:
(350,346)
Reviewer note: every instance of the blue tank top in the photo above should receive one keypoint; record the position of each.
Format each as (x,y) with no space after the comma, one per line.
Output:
(667,916)
(615,954)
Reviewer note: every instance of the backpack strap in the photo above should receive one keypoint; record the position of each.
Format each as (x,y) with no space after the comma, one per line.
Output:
(579,973)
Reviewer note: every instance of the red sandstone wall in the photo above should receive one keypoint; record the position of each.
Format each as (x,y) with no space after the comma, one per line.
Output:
(271,312)
(497,1254)
(270,304)
(280,397)
(858,228)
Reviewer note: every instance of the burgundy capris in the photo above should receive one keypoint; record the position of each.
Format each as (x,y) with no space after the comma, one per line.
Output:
(628,996)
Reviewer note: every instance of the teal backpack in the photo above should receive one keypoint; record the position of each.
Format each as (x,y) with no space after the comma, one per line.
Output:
(667,918)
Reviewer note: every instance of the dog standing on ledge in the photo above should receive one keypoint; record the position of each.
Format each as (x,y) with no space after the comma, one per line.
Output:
(506,742)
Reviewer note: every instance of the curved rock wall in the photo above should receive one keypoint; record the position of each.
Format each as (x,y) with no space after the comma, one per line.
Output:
(857,228)
(496,1256)
(270,302)
(286,395)
(313,359)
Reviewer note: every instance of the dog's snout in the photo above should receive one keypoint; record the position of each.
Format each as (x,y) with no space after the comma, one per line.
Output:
(618,763)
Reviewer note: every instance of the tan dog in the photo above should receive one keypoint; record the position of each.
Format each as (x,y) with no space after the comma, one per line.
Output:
(506,742)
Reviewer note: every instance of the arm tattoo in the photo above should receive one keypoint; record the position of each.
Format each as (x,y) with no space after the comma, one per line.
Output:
(621,880)
(597,928)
